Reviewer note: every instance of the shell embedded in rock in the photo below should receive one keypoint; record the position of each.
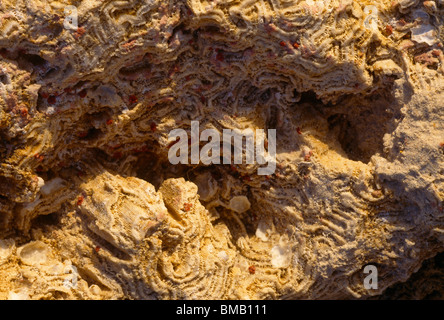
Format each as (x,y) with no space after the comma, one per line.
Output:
(239,204)
(33,253)
(123,214)
(91,208)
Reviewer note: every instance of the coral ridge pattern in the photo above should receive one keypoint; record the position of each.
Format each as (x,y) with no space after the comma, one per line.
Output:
(91,207)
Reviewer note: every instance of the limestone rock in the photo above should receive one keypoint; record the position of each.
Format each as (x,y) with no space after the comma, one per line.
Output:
(91,208)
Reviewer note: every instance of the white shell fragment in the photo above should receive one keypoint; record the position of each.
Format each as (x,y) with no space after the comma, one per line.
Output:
(239,204)
(280,256)
(263,231)
(424,33)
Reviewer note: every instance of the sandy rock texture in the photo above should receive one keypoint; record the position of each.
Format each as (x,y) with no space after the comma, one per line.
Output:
(91,207)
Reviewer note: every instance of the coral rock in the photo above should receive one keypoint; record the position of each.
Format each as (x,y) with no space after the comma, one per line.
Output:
(91,208)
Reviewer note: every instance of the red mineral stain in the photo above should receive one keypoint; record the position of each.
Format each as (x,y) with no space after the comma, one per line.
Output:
(82,134)
(220,56)
(252,269)
(82,94)
(117,155)
(187,206)
(80,32)
(51,99)
(308,156)
(132,99)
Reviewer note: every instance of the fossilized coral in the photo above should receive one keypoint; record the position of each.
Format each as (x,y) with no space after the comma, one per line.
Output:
(84,120)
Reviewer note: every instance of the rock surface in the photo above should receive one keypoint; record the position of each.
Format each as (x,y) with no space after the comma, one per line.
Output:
(91,208)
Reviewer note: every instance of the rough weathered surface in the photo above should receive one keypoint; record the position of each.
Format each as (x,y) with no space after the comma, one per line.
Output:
(90,206)
(427,283)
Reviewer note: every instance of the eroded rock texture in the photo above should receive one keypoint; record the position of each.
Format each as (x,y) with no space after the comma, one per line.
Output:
(427,283)
(91,208)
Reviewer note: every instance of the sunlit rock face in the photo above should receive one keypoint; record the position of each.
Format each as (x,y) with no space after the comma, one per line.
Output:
(92,208)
